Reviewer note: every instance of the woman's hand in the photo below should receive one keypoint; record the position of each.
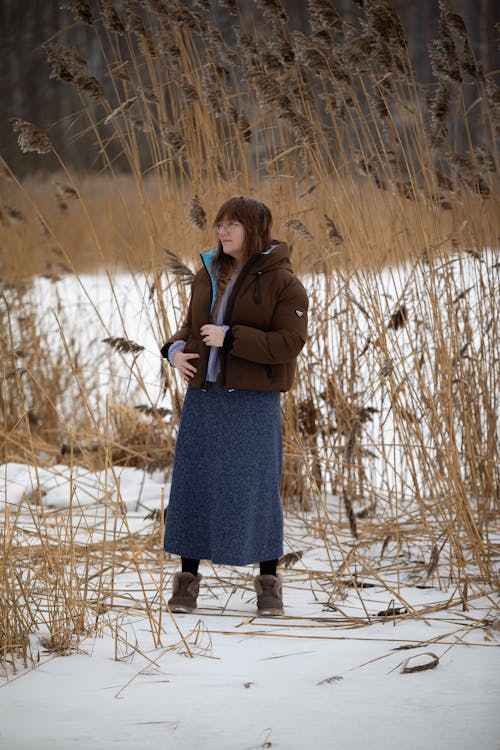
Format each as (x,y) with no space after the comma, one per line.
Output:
(212,335)
(182,363)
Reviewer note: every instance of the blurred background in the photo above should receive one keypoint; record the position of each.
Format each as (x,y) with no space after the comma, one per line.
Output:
(27,92)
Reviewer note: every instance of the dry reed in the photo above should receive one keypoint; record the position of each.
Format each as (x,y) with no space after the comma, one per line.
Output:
(395,410)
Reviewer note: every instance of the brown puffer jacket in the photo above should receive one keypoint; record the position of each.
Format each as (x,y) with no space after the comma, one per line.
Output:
(267,315)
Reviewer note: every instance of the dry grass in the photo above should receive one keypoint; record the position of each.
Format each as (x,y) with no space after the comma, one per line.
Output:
(395,410)
(369,229)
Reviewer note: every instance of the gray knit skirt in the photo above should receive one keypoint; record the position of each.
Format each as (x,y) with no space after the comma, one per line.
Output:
(225,503)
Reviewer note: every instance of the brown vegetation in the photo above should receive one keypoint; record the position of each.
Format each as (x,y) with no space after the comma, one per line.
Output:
(361,168)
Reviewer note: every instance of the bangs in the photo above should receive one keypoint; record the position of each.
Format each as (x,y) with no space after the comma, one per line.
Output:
(233,209)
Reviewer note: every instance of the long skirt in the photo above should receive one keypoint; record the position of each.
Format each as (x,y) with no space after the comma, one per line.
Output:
(225,503)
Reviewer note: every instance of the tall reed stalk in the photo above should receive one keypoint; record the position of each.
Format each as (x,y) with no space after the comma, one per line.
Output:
(387,191)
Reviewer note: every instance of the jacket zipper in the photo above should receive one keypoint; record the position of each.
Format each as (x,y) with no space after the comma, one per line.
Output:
(209,318)
(256,292)
(241,278)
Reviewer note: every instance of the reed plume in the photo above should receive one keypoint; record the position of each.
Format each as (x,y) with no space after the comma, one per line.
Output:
(196,214)
(452,20)
(172,137)
(63,190)
(323,16)
(332,231)
(230,5)
(123,345)
(81,11)
(299,228)
(30,137)
(110,18)
(178,268)
(274,11)
(120,110)
(443,58)
(15,215)
(70,67)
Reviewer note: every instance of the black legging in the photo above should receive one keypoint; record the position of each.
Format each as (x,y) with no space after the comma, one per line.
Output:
(190,565)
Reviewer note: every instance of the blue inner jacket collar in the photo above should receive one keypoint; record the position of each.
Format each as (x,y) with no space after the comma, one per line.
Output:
(208,258)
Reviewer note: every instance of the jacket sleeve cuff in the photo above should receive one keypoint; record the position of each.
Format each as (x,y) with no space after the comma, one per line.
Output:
(227,344)
(170,350)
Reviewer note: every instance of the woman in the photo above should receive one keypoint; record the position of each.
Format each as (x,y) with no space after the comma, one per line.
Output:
(237,349)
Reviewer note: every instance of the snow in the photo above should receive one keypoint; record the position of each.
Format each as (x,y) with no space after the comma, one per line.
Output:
(224,678)
(248,690)
(60,486)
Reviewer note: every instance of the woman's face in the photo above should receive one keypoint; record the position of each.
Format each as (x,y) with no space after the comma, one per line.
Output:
(231,234)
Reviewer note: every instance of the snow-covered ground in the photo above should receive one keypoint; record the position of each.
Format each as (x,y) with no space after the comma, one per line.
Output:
(254,684)
(327,674)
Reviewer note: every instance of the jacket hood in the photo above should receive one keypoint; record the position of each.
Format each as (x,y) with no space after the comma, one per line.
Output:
(277,255)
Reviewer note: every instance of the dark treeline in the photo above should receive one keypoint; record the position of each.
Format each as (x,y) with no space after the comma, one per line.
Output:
(26,90)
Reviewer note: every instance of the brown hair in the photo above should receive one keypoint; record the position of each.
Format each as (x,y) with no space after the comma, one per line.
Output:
(257,221)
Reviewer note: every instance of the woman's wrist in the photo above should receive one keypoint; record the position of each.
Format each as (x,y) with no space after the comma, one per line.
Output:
(173,349)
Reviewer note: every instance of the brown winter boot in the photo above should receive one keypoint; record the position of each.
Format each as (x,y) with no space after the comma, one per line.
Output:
(268,588)
(184,592)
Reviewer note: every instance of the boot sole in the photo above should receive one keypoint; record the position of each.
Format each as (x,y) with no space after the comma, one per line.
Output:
(271,611)
(182,610)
